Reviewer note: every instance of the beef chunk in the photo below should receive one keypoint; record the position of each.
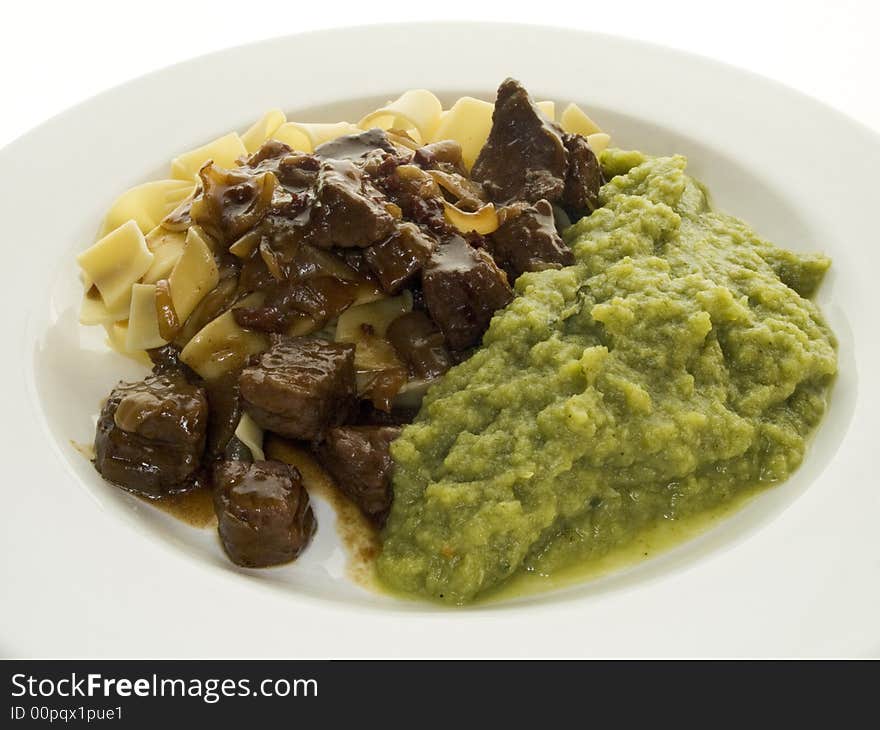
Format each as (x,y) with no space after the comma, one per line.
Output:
(358,459)
(300,387)
(151,435)
(355,146)
(420,344)
(584,176)
(524,157)
(463,287)
(349,211)
(263,512)
(397,259)
(529,241)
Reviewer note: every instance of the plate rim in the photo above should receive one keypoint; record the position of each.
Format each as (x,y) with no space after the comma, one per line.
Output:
(97,644)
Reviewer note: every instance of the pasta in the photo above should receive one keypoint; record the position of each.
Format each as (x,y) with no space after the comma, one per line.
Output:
(378,315)
(224,151)
(548,109)
(575,121)
(117,334)
(415,110)
(167,247)
(143,322)
(251,435)
(222,346)
(483,221)
(262,129)
(599,142)
(93,310)
(193,276)
(115,262)
(365,325)
(146,204)
(468,122)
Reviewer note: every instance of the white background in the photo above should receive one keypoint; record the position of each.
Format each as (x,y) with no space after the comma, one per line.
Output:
(54,54)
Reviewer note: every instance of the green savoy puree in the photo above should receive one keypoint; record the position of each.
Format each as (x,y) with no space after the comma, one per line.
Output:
(678,363)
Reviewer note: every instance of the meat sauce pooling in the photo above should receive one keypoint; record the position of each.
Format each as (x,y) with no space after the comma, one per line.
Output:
(353,266)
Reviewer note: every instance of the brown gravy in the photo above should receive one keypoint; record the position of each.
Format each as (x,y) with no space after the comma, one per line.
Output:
(195,507)
(359,536)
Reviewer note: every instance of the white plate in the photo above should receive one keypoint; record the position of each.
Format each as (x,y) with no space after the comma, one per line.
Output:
(87,570)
